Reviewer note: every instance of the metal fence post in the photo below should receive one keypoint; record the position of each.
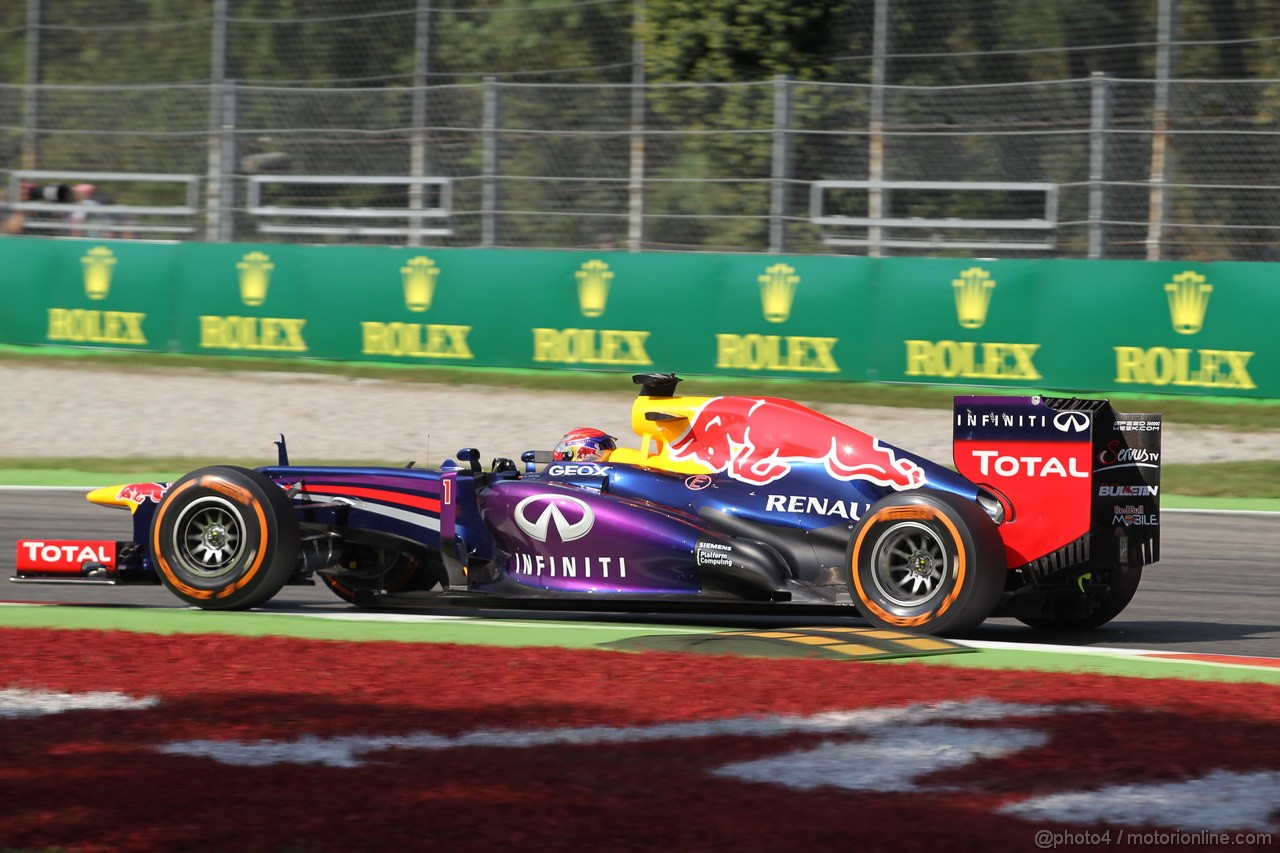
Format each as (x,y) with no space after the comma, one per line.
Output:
(1158,197)
(31,92)
(418,117)
(781,166)
(1099,124)
(635,183)
(875,153)
(217,190)
(489,177)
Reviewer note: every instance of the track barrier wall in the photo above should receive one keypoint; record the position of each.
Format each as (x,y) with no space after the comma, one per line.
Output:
(1163,327)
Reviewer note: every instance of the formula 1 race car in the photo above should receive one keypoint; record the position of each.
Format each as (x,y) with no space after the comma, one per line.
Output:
(738,500)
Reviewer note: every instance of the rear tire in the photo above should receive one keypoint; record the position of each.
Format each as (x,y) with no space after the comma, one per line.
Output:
(926,561)
(1107,607)
(224,538)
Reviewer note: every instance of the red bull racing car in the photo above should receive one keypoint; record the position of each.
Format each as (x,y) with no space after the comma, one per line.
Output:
(1049,516)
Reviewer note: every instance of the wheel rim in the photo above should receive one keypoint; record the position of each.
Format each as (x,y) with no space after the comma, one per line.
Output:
(209,537)
(909,564)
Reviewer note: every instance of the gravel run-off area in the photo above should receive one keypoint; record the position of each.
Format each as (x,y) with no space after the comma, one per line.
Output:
(79,411)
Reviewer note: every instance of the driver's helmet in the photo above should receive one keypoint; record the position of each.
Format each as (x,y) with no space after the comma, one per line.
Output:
(584,444)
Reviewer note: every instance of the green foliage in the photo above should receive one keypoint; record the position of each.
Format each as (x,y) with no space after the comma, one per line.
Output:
(733,50)
(740,40)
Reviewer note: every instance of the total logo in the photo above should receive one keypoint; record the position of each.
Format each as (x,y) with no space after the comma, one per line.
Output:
(537,514)
(65,556)
(991,462)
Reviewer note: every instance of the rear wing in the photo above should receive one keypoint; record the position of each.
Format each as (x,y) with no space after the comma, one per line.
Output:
(1079,481)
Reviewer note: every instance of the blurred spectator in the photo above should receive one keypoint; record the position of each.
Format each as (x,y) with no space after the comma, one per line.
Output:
(10,220)
(86,221)
(79,217)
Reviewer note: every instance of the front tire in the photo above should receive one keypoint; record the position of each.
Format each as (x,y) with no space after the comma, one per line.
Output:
(926,561)
(224,538)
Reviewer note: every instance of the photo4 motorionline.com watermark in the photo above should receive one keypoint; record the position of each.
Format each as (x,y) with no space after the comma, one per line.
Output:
(1049,839)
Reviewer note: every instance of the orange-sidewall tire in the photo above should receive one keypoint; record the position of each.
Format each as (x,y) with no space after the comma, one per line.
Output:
(964,550)
(224,538)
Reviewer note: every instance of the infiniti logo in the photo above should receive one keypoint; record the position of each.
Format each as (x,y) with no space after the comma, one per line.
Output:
(1071,421)
(552,513)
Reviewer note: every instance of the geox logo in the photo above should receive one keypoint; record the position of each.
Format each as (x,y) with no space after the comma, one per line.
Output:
(1188,302)
(777,290)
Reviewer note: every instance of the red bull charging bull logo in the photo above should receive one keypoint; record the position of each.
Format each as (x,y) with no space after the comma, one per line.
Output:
(758,440)
(141,492)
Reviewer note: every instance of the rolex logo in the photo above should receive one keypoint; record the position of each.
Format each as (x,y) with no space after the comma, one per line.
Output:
(973,297)
(1188,301)
(98,262)
(777,289)
(419,276)
(255,274)
(593,287)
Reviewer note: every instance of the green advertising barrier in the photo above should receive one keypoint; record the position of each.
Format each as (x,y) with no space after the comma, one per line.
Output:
(1166,327)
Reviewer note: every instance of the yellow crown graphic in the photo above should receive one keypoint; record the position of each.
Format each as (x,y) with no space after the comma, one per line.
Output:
(98,262)
(1188,301)
(419,275)
(973,297)
(255,274)
(593,287)
(777,289)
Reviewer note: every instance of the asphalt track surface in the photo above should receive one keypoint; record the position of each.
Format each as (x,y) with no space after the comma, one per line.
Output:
(1215,589)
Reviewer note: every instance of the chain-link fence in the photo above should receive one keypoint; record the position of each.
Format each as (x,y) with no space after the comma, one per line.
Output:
(406,122)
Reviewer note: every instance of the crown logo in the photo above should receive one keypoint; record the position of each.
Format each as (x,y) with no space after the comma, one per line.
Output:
(973,297)
(98,262)
(1188,301)
(777,289)
(255,274)
(419,276)
(593,287)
